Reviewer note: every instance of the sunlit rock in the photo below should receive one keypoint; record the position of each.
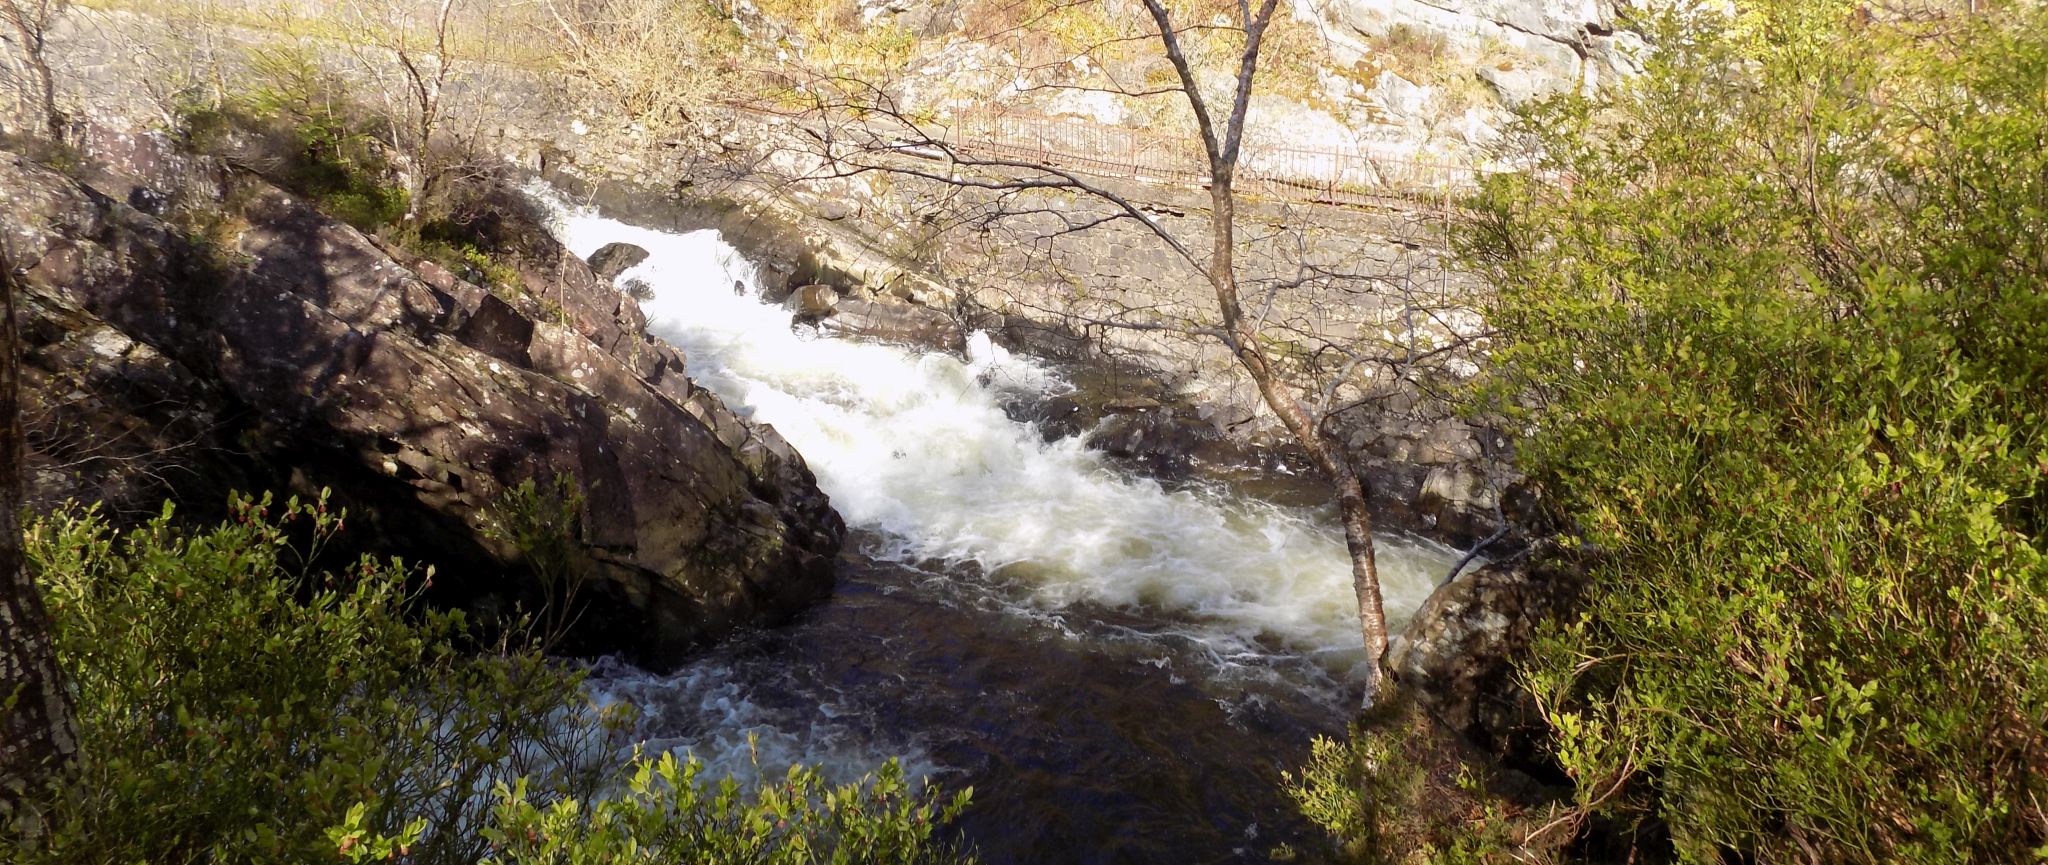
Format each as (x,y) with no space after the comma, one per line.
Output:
(306,356)
(615,259)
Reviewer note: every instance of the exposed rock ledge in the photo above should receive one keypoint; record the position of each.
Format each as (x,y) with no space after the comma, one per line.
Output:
(301,354)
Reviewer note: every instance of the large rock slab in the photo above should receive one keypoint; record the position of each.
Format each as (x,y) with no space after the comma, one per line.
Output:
(113,421)
(307,354)
(899,323)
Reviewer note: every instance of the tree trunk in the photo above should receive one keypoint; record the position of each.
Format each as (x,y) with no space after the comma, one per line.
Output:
(1251,354)
(1365,569)
(36,733)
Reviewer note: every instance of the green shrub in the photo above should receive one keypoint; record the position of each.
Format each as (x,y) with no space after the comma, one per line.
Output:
(1395,792)
(451,248)
(667,809)
(1359,790)
(237,704)
(540,521)
(233,704)
(1775,317)
(298,126)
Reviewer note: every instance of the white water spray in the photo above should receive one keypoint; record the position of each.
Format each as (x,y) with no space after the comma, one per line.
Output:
(916,447)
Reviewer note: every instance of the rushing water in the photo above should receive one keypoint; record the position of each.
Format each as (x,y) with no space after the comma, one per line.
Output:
(1121,670)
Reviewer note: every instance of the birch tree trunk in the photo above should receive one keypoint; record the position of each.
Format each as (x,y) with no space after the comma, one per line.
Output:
(1220,120)
(1279,397)
(1222,144)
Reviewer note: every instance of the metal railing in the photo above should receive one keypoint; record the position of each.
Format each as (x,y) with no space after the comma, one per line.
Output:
(1357,176)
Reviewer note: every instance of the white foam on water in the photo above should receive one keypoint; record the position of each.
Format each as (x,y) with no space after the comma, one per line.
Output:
(709,711)
(916,447)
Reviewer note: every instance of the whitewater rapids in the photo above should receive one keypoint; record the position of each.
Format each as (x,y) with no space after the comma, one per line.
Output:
(916,446)
(1039,621)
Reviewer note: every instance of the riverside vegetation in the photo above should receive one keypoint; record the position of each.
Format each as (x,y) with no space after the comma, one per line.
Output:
(243,695)
(1774,318)
(239,703)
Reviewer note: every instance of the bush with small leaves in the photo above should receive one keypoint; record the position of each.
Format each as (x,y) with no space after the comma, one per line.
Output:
(669,813)
(1776,318)
(1395,793)
(239,704)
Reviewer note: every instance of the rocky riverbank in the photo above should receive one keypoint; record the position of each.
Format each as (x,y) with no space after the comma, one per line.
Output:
(282,350)
(1346,277)
(1170,399)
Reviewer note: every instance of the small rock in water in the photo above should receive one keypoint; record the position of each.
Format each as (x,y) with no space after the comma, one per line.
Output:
(613,259)
(1159,441)
(814,301)
(1058,418)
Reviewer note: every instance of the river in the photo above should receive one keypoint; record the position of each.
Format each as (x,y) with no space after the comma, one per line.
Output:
(1121,669)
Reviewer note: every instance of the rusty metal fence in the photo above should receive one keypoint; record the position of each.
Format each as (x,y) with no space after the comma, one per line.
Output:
(1357,176)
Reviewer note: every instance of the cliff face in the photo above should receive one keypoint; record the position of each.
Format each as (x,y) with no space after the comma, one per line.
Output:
(1520,48)
(297,353)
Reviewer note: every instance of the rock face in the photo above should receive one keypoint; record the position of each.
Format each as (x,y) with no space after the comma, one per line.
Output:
(1523,48)
(1457,654)
(814,302)
(301,354)
(613,259)
(113,421)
